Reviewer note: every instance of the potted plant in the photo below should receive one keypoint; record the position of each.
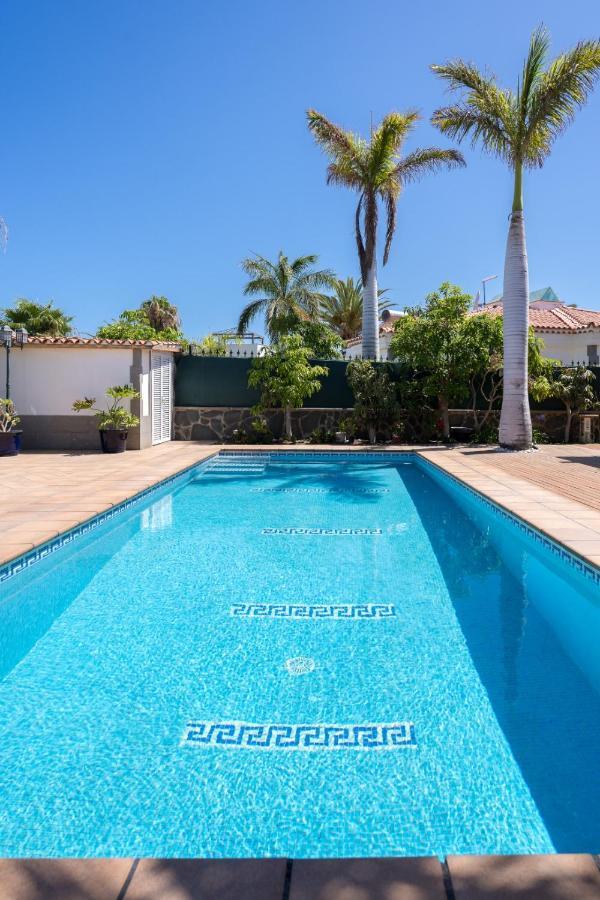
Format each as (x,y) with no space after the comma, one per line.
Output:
(10,435)
(115,421)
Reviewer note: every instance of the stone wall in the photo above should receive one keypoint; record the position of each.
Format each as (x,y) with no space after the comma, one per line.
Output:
(551,422)
(193,423)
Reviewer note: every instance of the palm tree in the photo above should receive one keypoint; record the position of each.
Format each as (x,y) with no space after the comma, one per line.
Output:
(288,292)
(38,318)
(377,172)
(161,314)
(519,127)
(343,311)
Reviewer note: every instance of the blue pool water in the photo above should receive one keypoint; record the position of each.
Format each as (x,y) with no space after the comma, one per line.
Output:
(277,656)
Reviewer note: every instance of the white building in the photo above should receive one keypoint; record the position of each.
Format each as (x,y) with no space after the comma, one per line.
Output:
(569,333)
(389,317)
(48,374)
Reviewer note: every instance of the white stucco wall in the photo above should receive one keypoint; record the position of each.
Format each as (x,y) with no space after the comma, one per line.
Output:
(569,348)
(355,351)
(45,380)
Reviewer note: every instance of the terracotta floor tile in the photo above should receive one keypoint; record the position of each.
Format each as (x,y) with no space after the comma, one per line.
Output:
(552,877)
(367,879)
(217,879)
(62,879)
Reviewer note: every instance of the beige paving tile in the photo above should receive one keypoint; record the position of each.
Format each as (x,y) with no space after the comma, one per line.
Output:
(216,879)
(62,879)
(11,550)
(552,877)
(367,879)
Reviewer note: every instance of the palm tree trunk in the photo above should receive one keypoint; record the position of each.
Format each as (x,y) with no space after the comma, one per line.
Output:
(515,417)
(287,422)
(370,333)
(568,425)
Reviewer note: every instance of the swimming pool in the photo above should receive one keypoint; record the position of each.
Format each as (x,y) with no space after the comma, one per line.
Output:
(304,656)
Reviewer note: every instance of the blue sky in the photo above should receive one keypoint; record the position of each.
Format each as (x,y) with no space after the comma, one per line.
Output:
(147,147)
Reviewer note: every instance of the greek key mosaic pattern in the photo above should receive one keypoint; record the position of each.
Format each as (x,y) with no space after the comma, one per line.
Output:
(323,531)
(310,612)
(334,490)
(253,736)
(580,565)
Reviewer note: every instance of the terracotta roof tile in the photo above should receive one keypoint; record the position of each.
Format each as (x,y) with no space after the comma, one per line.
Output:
(75,341)
(559,318)
(383,329)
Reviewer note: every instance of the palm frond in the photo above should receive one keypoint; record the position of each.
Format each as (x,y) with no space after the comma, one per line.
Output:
(390,202)
(386,141)
(360,244)
(463,75)
(557,95)
(333,139)
(303,263)
(461,121)
(425,161)
(250,312)
(533,68)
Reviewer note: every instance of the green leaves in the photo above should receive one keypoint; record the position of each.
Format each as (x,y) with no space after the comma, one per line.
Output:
(376,406)
(38,318)
(154,320)
(284,375)
(519,126)
(8,415)
(376,171)
(115,416)
(289,292)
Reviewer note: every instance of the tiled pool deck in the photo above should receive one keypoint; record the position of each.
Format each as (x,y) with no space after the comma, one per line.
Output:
(556,490)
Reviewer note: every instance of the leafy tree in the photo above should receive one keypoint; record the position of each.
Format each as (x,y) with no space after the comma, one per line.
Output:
(377,172)
(43,319)
(519,127)
(285,377)
(343,310)
(431,341)
(322,342)
(483,342)
(376,406)
(286,292)
(154,320)
(575,388)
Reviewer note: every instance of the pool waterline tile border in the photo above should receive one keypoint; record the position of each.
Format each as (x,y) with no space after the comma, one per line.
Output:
(25,561)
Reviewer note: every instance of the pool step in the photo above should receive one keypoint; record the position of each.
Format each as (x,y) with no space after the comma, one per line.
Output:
(224,465)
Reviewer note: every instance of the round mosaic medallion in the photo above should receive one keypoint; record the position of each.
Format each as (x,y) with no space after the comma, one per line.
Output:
(300,665)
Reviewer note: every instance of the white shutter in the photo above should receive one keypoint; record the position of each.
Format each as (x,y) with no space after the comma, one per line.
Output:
(161,397)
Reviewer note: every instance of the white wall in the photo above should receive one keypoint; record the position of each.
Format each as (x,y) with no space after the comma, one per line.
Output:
(384,345)
(569,348)
(45,380)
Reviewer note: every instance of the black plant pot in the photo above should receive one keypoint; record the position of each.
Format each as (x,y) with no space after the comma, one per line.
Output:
(113,441)
(10,442)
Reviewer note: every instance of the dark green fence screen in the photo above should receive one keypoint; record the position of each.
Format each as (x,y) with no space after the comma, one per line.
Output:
(223,381)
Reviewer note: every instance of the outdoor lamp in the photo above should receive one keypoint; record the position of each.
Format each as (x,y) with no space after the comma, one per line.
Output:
(8,337)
